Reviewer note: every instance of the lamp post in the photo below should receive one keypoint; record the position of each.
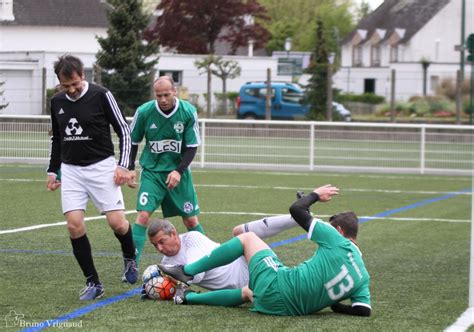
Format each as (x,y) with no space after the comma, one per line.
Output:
(331,57)
(288,44)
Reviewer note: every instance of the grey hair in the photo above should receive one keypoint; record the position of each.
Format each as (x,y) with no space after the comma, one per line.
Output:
(160,225)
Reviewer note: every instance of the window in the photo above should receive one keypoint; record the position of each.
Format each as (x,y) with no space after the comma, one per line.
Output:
(89,74)
(394,53)
(375,55)
(291,96)
(434,83)
(260,93)
(357,56)
(176,75)
(369,85)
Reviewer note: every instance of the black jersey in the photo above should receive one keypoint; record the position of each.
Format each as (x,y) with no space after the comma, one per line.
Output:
(81,129)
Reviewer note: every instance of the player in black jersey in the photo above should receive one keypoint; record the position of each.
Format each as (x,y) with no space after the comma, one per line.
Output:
(82,148)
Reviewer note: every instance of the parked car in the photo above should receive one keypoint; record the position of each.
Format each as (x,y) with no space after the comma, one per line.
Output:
(287,102)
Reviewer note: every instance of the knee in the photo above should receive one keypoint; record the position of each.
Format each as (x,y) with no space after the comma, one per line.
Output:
(238,230)
(143,218)
(76,229)
(190,222)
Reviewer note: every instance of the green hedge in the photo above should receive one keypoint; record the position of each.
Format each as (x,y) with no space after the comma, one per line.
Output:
(368,98)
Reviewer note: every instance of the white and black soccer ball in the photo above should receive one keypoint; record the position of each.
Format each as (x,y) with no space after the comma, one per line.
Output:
(150,272)
(73,127)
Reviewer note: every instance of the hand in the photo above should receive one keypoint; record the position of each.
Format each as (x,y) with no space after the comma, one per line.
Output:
(132,182)
(121,176)
(173,179)
(326,192)
(52,183)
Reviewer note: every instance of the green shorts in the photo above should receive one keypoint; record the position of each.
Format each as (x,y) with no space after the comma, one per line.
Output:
(180,201)
(263,267)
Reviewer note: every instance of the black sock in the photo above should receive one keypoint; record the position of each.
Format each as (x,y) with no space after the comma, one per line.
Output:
(83,253)
(126,241)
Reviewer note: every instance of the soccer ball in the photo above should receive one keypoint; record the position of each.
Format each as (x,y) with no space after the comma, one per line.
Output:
(150,272)
(160,288)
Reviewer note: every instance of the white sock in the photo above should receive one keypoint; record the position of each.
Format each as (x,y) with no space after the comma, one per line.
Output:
(270,226)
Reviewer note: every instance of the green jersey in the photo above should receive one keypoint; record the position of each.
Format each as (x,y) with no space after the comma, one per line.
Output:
(336,272)
(167,135)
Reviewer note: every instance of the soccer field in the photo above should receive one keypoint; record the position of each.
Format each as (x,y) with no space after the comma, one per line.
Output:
(414,234)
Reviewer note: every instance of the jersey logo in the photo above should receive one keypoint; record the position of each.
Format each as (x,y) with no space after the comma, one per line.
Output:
(168,145)
(61,111)
(73,127)
(179,127)
(188,207)
(153,126)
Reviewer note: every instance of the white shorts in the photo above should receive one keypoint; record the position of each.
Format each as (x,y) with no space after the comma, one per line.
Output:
(96,181)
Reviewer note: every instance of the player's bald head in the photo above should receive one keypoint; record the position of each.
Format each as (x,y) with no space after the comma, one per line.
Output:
(164,82)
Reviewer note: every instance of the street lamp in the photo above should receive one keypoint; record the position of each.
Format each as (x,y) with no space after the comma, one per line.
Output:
(288,44)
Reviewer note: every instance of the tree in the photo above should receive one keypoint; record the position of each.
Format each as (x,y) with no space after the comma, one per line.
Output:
(125,58)
(206,64)
(2,99)
(194,26)
(316,95)
(363,10)
(297,19)
(225,69)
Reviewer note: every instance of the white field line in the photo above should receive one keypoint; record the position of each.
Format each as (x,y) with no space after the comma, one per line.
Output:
(386,191)
(305,174)
(463,322)
(257,214)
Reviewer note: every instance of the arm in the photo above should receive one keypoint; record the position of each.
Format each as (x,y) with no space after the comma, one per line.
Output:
(357,310)
(120,125)
(52,183)
(299,210)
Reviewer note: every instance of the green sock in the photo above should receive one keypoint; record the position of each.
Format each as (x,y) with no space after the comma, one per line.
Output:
(139,238)
(223,298)
(226,253)
(197,228)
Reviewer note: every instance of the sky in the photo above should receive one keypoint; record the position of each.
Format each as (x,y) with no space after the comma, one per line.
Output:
(373,3)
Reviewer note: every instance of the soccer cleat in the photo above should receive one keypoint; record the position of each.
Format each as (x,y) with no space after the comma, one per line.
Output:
(130,271)
(180,295)
(175,272)
(92,291)
(299,194)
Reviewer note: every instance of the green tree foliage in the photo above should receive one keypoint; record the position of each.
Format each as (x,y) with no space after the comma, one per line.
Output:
(363,10)
(125,58)
(316,90)
(3,104)
(225,69)
(297,19)
(194,26)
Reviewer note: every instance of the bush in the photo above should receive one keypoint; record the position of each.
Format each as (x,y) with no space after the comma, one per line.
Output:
(368,98)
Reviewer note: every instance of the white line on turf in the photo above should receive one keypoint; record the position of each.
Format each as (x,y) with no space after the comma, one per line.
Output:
(257,214)
(463,322)
(387,191)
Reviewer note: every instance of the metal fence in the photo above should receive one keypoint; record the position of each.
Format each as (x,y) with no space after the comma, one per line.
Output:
(290,145)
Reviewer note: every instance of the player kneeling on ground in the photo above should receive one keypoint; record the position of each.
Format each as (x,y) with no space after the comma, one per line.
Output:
(336,271)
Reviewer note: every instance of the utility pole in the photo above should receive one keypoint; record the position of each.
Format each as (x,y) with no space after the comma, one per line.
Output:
(268,97)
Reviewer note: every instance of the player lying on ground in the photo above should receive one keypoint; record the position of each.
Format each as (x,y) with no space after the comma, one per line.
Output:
(336,271)
(189,247)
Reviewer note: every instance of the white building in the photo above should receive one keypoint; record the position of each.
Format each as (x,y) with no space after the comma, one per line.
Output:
(34,33)
(399,35)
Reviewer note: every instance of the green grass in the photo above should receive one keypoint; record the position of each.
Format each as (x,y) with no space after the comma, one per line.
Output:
(419,265)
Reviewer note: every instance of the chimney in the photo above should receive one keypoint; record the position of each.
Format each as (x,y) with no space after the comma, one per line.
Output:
(6,10)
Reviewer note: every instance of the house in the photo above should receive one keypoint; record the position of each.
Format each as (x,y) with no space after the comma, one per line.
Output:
(34,33)
(402,35)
